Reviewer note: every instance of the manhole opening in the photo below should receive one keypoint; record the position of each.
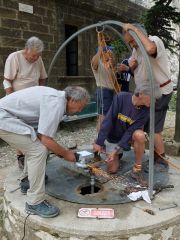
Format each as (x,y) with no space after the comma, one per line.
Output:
(88,190)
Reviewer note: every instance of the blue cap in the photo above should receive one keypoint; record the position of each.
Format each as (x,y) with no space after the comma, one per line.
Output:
(109,48)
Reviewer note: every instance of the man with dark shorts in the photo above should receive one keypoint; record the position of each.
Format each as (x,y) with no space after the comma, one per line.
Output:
(159,63)
(105,79)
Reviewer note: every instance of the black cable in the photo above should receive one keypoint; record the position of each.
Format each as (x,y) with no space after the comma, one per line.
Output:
(25,226)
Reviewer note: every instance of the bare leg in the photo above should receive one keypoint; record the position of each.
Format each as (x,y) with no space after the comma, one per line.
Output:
(159,144)
(113,166)
(99,122)
(139,145)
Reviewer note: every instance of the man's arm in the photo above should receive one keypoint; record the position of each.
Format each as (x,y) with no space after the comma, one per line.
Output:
(56,148)
(150,46)
(7,86)
(95,61)
(10,72)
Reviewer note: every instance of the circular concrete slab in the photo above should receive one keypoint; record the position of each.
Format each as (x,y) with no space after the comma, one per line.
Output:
(66,180)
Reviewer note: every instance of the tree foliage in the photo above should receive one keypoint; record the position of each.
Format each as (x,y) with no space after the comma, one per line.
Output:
(159,20)
(120,49)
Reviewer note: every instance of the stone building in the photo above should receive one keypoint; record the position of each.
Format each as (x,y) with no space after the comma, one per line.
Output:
(54,21)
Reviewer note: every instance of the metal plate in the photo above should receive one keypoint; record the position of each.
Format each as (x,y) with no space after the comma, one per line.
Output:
(65,181)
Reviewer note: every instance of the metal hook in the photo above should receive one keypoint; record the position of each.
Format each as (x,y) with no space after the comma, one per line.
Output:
(100,30)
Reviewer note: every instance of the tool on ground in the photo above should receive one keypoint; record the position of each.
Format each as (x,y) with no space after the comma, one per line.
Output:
(171,205)
(149,211)
(157,188)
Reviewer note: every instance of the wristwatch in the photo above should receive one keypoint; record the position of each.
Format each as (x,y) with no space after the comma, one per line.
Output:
(118,149)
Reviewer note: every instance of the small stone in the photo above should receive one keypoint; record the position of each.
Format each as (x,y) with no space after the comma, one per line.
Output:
(7,225)
(166,234)
(4,238)
(141,237)
(74,238)
(45,236)
(12,219)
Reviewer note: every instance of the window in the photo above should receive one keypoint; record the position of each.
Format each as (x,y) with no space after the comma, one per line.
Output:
(71,51)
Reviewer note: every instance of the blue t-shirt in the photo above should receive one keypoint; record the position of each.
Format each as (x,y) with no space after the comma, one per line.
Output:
(122,119)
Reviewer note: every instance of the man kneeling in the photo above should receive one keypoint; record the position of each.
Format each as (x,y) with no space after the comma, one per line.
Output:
(123,125)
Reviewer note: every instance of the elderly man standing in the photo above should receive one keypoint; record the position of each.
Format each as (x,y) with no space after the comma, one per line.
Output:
(25,69)
(159,62)
(28,121)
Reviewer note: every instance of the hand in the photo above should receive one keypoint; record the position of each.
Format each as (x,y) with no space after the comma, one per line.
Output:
(122,68)
(128,26)
(97,148)
(133,63)
(69,156)
(112,156)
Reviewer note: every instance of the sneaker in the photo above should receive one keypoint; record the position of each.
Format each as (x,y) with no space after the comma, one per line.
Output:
(138,176)
(43,209)
(20,159)
(24,184)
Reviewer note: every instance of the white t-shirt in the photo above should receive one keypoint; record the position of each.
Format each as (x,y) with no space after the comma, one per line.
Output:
(22,73)
(104,78)
(160,66)
(35,109)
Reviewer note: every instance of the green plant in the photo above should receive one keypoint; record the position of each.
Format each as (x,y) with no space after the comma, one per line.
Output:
(120,49)
(172,104)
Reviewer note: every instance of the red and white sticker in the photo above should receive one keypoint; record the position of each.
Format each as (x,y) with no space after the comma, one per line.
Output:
(96,213)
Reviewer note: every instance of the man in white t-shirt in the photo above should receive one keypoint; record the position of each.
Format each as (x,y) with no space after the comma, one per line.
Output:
(105,81)
(25,69)
(159,62)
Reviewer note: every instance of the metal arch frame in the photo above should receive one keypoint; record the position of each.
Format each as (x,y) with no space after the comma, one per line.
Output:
(150,77)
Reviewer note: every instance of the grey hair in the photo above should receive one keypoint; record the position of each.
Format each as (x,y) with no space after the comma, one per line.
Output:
(36,43)
(141,27)
(146,89)
(77,93)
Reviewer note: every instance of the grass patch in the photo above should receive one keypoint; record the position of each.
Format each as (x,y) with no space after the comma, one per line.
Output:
(172,104)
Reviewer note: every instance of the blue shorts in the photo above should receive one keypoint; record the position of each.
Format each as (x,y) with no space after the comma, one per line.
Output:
(104,99)
(161,107)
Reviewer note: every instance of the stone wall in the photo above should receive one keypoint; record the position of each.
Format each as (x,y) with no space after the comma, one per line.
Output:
(14,224)
(47,22)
